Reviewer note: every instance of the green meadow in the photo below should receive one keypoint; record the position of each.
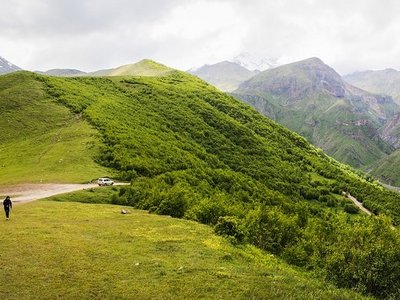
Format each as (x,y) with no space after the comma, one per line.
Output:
(56,250)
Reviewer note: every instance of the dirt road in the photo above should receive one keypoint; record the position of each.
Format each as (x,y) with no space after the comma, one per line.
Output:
(30,192)
(359,204)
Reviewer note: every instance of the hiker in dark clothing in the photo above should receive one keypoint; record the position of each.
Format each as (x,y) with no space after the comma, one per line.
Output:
(7,205)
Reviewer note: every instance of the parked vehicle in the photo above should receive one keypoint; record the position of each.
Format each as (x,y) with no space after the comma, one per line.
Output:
(103,181)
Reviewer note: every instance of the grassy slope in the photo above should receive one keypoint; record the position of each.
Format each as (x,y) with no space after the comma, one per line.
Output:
(387,169)
(68,250)
(156,125)
(145,67)
(44,141)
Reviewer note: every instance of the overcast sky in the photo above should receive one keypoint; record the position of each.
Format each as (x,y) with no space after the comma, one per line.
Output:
(349,35)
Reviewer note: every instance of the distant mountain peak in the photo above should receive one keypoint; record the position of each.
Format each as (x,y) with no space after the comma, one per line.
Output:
(253,62)
(314,59)
(297,79)
(7,67)
(311,98)
(225,75)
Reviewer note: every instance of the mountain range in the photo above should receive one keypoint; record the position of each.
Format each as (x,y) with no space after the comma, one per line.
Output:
(312,99)
(227,75)
(354,126)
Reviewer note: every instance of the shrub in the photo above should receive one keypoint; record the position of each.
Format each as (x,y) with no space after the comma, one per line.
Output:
(229,226)
(208,210)
(351,209)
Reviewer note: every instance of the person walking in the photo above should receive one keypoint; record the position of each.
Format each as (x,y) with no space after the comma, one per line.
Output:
(7,206)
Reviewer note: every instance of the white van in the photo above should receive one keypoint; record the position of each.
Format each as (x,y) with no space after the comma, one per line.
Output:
(104,181)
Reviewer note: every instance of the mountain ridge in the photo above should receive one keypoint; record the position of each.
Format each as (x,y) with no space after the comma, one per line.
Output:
(311,98)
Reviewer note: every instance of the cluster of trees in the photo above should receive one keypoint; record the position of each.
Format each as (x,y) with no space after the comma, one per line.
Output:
(193,152)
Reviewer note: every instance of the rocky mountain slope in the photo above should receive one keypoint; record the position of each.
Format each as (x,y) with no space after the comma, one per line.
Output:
(7,67)
(312,99)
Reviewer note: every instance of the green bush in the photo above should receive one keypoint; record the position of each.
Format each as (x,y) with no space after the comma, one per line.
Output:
(351,209)
(229,226)
(208,210)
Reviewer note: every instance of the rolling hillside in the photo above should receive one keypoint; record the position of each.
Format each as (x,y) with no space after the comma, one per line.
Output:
(194,152)
(310,98)
(145,67)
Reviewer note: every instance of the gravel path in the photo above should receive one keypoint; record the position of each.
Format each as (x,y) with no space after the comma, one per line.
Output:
(30,192)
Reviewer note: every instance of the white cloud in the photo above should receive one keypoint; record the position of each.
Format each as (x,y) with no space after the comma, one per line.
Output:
(94,34)
(196,20)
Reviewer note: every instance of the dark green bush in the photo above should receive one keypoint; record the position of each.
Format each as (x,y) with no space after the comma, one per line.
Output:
(351,209)
(229,226)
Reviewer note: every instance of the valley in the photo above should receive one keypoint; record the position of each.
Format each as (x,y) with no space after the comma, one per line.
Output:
(192,152)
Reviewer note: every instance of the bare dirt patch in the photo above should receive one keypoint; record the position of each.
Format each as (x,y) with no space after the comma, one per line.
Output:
(30,192)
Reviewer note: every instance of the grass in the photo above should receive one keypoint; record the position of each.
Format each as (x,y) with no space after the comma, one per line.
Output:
(61,155)
(44,141)
(52,250)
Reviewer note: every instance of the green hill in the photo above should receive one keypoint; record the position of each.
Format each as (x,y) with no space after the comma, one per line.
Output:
(145,67)
(310,98)
(194,152)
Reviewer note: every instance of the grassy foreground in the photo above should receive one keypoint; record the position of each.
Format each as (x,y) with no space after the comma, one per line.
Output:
(55,250)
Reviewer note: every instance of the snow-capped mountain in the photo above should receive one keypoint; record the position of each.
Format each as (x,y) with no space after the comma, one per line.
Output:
(7,67)
(252,62)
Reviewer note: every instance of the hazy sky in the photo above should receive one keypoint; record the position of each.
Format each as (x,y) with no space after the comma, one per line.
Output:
(89,35)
